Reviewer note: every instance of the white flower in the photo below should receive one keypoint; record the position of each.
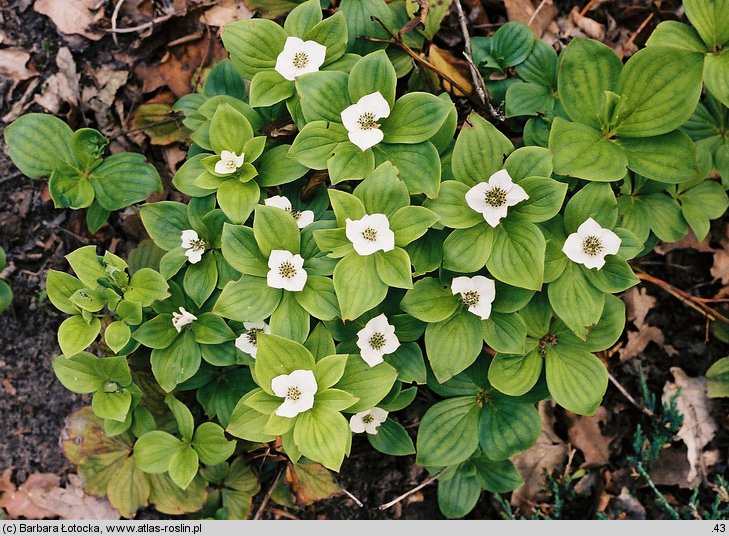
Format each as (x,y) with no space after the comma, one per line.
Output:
(182,319)
(298,388)
(493,198)
(477,292)
(229,162)
(194,245)
(360,120)
(590,244)
(370,233)
(286,270)
(377,339)
(303,218)
(300,57)
(367,421)
(248,340)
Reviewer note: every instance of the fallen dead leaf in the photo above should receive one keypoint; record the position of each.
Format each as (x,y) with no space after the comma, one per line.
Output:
(585,434)
(524,11)
(548,453)
(590,27)
(311,482)
(40,496)
(454,67)
(639,303)
(160,123)
(698,426)
(62,87)
(225,12)
(638,340)
(627,506)
(100,98)
(672,467)
(13,65)
(73,16)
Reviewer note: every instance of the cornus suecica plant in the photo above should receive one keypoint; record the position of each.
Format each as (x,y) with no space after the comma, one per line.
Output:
(354,255)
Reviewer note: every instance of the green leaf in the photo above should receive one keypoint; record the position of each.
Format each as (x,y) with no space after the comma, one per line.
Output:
(458,495)
(661,87)
(320,342)
(596,201)
(200,279)
(496,476)
(667,158)
(290,319)
(391,438)
(114,406)
(511,44)
(587,69)
(165,221)
(269,88)
(528,162)
(515,375)
(452,345)
(332,33)
(718,378)
(240,249)
(117,335)
(128,488)
(615,276)
(451,207)
(75,334)
(430,301)
(507,427)
(505,332)
(452,418)
(576,378)
(124,179)
(418,163)
(610,326)
(253,44)
(716,75)
(29,132)
(369,384)
(467,250)
(247,300)
(152,451)
(323,95)
(393,268)
(358,285)
(479,151)
(345,206)
(69,189)
(60,287)
(329,370)
(177,363)
(349,162)
(575,300)
(78,373)
(708,17)
(583,152)
(88,147)
(247,423)
(374,72)
(704,202)
(183,417)
(416,117)
(671,33)
(358,15)
(209,328)
(323,436)
(528,99)
(410,223)
(146,286)
(229,130)
(518,253)
(211,445)
(318,298)
(315,143)
(303,18)
(409,362)
(238,199)
(383,192)
(224,79)
(183,467)
(159,332)
(545,199)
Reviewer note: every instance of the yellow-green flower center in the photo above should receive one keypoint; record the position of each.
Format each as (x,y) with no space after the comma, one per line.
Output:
(367,419)
(470,298)
(293,393)
(252,335)
(301,60)
(367,121)
(369,234)
(592,245)
(287,270)
(377,341)
(495,197)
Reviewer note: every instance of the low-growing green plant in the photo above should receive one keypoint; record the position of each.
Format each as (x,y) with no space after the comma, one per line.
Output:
(345,247)
(6,293)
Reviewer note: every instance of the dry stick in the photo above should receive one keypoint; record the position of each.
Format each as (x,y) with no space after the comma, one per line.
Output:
(114,17)
(698,304)
(536,11)
(355,499)
(264,503)
(397,40)
(627,395)
(587,7)
(426,482)
(635,34)
(478,81)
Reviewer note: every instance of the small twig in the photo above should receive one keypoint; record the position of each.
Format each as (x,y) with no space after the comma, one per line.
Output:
(536,11)
(635,34)
(426,482)
(141,27)
(355,499)
(587,7)
(698,304)
(264,503)
(627,395)
(283,513)
(114,17)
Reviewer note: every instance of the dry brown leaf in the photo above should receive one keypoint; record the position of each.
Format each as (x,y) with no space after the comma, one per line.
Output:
(638,303)
(225,12)
(627,506)
(72,502)
(590,27)
(698,426)
(524,11)
(638,340)
(13,65)
(454,67)
(73,16)
(17,502)
(672,467)
(549,452)
(62,87)
(311,482)
(585,434)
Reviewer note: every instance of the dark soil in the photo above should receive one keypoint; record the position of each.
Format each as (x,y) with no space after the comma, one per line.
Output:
(35,236)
